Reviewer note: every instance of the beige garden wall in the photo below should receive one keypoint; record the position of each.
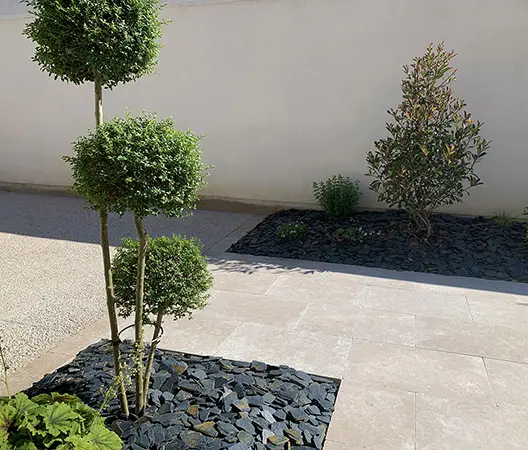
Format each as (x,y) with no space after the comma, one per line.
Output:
(287,91)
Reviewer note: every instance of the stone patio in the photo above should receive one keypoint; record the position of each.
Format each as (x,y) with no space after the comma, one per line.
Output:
(427,362)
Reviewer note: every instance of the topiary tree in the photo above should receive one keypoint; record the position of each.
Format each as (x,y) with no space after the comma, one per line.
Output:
(144,166)
(177,282)
(428,160)
(106,42)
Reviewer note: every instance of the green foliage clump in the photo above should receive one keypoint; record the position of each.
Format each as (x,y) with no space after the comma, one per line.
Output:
(55,422)
(428,160)
(504,220)
(177,279)
(138,164)
(79,40)
(338,196)
(291,231)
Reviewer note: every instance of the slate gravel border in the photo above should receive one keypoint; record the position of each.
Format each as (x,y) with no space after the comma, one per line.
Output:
(206,402)
(470,247)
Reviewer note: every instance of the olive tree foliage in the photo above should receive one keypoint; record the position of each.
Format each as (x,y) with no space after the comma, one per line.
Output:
(177,282)
(79,41)
(144,166)
(429,158)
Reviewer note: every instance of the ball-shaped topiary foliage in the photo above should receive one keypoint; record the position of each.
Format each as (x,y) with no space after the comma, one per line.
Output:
(77,40)
(177,279)
(138,164)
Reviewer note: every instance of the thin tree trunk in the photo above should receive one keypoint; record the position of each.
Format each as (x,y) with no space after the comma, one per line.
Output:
(112,315)
(105,245)
(98,91)
(140,290)
(150,360)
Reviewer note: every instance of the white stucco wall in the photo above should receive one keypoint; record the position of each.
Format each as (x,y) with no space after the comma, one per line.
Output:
(287,91)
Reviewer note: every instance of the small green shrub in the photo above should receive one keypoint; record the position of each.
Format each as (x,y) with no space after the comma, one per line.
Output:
(429,157)
(291,231)
(138,164)
(177,279)
(504,220)
(55,422)
(338,196)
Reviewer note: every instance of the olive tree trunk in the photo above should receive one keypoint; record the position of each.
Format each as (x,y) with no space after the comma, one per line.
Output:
(105,245)
(140,291)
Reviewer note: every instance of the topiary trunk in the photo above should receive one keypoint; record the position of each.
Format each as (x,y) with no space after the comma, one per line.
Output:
(140,292)
(109,285)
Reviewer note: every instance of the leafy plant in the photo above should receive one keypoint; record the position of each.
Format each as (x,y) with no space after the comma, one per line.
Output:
(55,422)
(106,42)
(291,231)
(338,196)
(177,282)
(504,220)
(145,166)
(428,160)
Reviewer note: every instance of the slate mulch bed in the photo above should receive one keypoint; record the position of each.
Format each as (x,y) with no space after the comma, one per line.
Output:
(470,247)
(206,402)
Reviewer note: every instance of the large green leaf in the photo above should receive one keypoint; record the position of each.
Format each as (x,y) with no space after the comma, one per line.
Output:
(24,406)
(103,439)
(60,418)
(8,415)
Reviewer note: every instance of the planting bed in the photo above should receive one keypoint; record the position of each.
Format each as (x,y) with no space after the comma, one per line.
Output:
(471,247)
(207,402)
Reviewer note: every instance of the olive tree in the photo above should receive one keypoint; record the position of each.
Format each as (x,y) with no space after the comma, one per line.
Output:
(144,166)
(428,159)
(104,42)
(177,282)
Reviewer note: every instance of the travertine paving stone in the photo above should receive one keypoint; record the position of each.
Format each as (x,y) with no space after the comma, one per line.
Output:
(341,319)
(313,353)
(467,424)
(499,309)
(417,370)
(252,308)
(373,418)
(509,382)
(424,303)
(318,287)
(472,338)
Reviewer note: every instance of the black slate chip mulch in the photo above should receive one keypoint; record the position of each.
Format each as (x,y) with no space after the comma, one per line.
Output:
(206,402)
(469,247)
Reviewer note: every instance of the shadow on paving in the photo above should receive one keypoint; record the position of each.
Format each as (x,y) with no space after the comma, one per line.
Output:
(66,218)
(235,262)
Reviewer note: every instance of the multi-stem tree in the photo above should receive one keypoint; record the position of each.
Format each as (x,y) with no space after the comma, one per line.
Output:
(146,167)
(104,42)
